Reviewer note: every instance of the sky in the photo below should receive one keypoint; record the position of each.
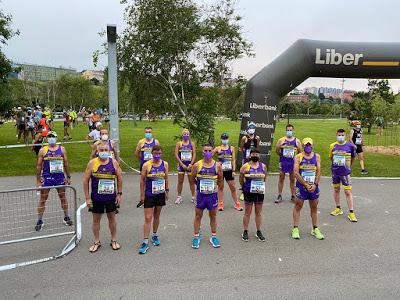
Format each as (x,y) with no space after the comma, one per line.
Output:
(65,32)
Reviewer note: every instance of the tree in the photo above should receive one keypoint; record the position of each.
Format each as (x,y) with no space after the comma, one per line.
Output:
(233,99)
(169,48)
(6,33)
(382,88)
(379,107)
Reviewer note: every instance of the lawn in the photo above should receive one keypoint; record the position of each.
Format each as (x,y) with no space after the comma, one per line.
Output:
(21,161)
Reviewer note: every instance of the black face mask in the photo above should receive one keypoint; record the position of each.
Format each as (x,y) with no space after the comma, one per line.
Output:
(254,158)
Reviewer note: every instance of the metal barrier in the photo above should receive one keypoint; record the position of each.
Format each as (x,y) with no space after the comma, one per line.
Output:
(18,217)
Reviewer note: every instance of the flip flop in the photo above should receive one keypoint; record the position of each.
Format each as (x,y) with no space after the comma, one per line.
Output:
(95,247)
(117,246)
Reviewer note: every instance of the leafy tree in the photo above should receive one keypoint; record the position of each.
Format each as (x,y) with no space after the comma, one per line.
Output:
(6,33)
(233,99)
(379,107)
(382,88)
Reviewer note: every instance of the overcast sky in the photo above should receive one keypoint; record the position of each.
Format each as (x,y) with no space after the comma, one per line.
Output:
(64,32)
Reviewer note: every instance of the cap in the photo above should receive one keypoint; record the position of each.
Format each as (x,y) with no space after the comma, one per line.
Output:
(98,124)
(308,140)
(52,133)
(225,136)
(356,122)
(251,125)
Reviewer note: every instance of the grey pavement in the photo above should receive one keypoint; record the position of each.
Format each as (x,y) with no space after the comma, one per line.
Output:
(355,260)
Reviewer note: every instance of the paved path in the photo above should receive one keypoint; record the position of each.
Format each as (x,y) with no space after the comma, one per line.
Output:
(354,261)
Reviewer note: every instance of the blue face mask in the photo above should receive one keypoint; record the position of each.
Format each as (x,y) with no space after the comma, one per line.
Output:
(225,142)
(147,135)
(104,155)
(52,140)
(340,138)
(289,133)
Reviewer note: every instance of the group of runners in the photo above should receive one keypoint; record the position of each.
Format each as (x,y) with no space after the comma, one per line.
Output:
(102,180)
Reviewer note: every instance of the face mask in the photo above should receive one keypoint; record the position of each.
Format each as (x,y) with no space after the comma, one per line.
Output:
(340,138)
(156,156)
(225,142)
(251,131)
(147,135)
(185,137)
(358,126)
(104,155)
(104,137)
(289,133)
(254,158)
(52,140)
(207,155)
(308,149)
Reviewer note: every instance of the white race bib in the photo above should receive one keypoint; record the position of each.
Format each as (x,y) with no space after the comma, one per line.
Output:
(207,186)
(106,186)
(147,155)
(56,166)
(158,186)
(288,152)
(227,165)
(358,141)
(308,176)
(186,155)
(247,153)
(339,160)
(257,187)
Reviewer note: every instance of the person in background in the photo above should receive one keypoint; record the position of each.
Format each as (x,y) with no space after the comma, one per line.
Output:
(356,138)
(67,125)
(144,146)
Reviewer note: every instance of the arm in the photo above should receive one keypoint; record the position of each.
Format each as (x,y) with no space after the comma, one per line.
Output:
(166,181)
(318,175)
(258,142)
(194,173)
(116,151)
(299,146)
(86,179)
(296,171)
(177,156)
(241,176)
(118,173)
(39,165)
(66,166)
(220,180)
(157,142)
(137,150)
(242,142)
(233,160)
(350,136)
(265,172)
(143,182)
(278,148)
(193,154)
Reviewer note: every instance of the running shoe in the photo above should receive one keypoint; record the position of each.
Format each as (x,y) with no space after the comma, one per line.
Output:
(215,242)
(364,172)
(39,225)
(196,242)
(352,217)
(221,206)
(336,212)
(317,233)
(178,200)
(193,200)
(241,197)
(155,240)
(67,221)
(295,233)
(143,248)
(245,236)
(293,198)
(260,236)
(237,206)
(278,199)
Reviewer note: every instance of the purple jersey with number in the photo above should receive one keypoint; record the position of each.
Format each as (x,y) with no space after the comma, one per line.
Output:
(288,150)
(206,182)
(103,181)
(145,151)
(155,179)
(53,164)
(253,174)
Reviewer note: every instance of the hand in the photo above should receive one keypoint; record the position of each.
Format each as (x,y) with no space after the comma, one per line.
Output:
(233,173)
(184,167)
(118,200)
(189,166)
(89,202)
(39,183)
(67,181)
(166,196)
(142,199)
(313,188)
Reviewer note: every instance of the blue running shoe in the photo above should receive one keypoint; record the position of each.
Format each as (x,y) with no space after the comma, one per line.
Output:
(215,242)
(196,242)
(155,240)
(39,225)
(143,249)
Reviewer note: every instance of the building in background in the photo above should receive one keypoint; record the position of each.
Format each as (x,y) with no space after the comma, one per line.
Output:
(93,74)
(33,72)
(298,98)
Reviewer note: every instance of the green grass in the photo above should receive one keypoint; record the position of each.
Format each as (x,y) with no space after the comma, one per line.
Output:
(21,161)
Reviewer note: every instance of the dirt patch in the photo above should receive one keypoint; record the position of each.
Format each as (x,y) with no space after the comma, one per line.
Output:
(389,150)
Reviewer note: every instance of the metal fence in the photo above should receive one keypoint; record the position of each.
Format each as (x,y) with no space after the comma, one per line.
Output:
(18,217)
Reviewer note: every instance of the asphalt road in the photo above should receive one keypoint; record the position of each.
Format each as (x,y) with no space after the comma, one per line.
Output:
(355,260)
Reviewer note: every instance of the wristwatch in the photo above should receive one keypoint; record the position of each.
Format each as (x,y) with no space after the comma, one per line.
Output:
(167,190)
(119,193)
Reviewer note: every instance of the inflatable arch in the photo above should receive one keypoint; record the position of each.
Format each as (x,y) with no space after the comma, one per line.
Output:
(310,58)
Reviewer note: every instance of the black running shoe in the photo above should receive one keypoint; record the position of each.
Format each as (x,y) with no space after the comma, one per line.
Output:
(39,225)
(245,236)
(260,236)
(67,221)
(278,199)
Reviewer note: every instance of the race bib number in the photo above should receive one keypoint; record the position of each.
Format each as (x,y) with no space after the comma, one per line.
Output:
(158,186)
(358,141)
(147,155)
(56,166)
(106,186)
(308,176)
(257,187)
(339,160)
(288,152)
(227,165)
(207,186)
(247,153)
(186,155)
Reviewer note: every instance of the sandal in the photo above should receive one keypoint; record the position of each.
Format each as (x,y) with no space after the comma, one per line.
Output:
(114,245)
(95,247)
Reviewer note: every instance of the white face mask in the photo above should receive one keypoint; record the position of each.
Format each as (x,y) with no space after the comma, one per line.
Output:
(104,137)
(251,131)
(52,140)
